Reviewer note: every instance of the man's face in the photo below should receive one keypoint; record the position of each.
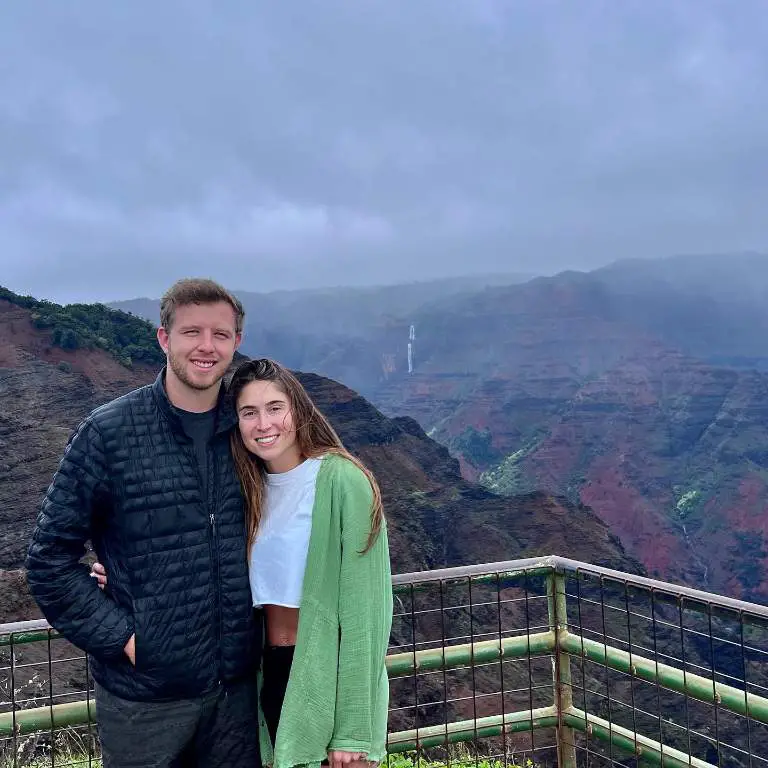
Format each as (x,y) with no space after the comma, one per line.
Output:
(200,344)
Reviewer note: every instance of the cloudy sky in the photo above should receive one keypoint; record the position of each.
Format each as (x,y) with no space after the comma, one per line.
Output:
(292,144)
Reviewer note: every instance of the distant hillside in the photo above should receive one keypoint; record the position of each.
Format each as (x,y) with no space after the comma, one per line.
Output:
(711,307)
(737,277)
(436,517)
(575,384)
(91,326)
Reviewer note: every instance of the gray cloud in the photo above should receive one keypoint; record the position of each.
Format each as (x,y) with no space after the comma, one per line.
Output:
(341,141)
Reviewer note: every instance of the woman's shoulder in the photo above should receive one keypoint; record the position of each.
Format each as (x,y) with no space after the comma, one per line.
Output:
(340,469)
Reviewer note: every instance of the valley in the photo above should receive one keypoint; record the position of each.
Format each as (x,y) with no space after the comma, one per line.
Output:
(638,390)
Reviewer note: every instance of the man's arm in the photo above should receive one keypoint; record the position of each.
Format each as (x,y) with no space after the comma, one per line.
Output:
(68,597)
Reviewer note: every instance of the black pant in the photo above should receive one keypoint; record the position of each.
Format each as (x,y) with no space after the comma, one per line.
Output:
(218,729)
(277,662)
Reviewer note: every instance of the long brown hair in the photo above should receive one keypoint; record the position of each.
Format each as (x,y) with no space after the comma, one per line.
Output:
(314,437)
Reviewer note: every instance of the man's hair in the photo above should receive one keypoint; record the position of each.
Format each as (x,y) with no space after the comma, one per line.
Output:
(195,290)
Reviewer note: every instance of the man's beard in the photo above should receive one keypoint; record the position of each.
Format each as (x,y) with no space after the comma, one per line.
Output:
(179,368)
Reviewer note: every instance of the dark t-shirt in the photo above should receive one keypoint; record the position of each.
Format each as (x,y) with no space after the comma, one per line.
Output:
(200,426)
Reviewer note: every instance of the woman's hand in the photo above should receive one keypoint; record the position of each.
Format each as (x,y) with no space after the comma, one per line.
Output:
(99,573)
(339,759)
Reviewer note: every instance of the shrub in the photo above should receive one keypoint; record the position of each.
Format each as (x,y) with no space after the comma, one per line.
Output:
(85,326)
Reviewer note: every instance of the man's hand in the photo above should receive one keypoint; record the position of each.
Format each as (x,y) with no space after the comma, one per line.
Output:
(130,649)
(99,573)
(339,759)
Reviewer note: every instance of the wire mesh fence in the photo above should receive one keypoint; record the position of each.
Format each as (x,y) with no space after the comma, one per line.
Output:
(479,684)
(613,669)
(45,696)
(529,663)
(689,673)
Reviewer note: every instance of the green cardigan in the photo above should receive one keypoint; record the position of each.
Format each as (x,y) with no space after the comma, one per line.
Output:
(338,691)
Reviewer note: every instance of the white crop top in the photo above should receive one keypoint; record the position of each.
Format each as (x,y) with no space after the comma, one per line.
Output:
(279,553)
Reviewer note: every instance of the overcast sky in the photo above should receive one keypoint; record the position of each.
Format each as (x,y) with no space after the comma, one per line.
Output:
(291,144)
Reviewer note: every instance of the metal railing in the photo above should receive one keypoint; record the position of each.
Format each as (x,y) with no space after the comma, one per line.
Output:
(530,662)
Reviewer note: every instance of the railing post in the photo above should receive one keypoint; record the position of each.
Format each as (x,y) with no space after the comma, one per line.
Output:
(561,668)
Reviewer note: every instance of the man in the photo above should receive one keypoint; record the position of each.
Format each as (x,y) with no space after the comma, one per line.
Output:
(150,480)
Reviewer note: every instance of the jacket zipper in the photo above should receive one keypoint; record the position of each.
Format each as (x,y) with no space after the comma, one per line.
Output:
(215,563)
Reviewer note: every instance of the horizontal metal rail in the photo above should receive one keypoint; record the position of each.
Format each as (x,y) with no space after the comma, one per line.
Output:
(646,749)
(550,563)
(24,722)
(697,687)
(495,577)
(452,656)
(466,730)
(20,632)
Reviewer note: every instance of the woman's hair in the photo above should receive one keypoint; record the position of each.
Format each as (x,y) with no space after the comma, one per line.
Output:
(314,437)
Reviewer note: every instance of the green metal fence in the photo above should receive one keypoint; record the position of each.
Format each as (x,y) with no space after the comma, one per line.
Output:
(541,661)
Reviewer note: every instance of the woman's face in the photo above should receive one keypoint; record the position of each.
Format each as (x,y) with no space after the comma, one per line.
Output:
(266,425)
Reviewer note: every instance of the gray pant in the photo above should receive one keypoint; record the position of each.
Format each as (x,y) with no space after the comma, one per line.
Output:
(219,729)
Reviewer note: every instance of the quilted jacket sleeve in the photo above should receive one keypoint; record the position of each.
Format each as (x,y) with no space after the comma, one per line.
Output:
(68,597)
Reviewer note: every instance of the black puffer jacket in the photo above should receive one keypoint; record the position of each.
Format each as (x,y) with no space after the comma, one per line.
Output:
(176,562)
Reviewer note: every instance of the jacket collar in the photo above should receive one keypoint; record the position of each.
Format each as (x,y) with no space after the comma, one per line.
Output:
(226,418)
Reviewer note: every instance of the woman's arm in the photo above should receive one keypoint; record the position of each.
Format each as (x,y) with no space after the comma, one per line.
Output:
(365,617)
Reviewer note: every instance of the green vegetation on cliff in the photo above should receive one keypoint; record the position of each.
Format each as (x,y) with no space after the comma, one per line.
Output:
(87,326)
(508,477)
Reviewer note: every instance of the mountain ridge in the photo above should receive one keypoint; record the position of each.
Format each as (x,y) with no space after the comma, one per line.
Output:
(554,385)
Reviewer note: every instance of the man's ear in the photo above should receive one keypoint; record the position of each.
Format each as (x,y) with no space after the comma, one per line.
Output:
(238,339)
(162,339)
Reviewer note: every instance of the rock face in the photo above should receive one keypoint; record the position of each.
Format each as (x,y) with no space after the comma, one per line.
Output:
(436,517)
(44,391)
(671,453)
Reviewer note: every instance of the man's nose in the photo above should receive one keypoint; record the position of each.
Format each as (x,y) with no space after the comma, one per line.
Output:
(205,341)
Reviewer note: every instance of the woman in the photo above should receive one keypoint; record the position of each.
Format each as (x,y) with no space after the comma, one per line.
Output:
(320,573)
